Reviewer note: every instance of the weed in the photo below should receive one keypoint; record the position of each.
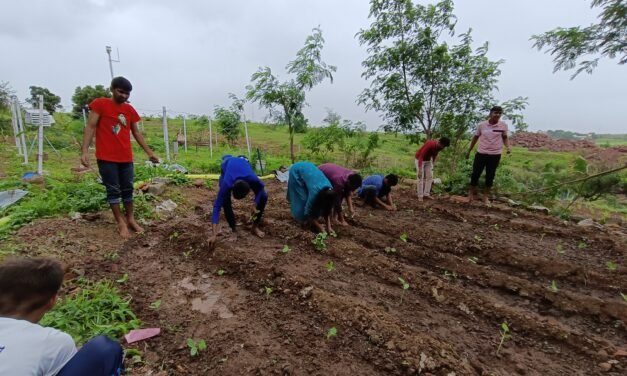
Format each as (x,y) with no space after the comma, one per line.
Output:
(403,237)
(473,259)
(504,331)
(156,304)
(123,279)
(542,236)
(220,272)
(332,332)
(553,286)
(319,243)
(286,249)
(196,347)
(611,266)
(390,250)
(186,254)
(329,266)
(404,286)
(477,238)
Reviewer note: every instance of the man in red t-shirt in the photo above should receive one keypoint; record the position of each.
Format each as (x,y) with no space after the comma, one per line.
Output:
(492,135)
(113,120)
(425,159)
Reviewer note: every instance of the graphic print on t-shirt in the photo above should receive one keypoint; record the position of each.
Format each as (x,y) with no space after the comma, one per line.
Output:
(121,120)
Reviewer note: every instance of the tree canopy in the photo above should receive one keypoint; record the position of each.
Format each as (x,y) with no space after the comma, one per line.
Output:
(84,95)
(51,100)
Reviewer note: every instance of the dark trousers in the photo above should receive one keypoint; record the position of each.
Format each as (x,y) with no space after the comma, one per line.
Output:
(230,216)
(118,180)
(98,357)
(490,163)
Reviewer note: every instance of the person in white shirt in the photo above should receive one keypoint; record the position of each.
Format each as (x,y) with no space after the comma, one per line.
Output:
(28,289)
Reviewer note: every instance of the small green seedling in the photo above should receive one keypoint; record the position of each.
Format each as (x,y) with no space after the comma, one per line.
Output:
(220,272)
(123,279)
(473,259)
(623,296)
(496,226)
(504,335)
(611,266)
(268,291)
(330,266)
(286,249)
(448,274)
(173,236)
(113,256)
(333,234)
(156,304)
(332,332)
(404,285)
(390,250)
(560,249)
(319,243)
(186,254)
(553,286)
(196,347)
(403,237)
(477,238)
(542,236)
(582,245)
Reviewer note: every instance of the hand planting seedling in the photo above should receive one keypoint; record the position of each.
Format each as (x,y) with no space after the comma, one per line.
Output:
(611,266)
(195,348)
(405,286)
(332,332)
(504,335)
(156,304)
(286,249)
(403,237)
(330,266)
(220,272)
(553,287)
(319,243)
(268,291)
(477,238)
(123,279)
(390,250)
(473,259)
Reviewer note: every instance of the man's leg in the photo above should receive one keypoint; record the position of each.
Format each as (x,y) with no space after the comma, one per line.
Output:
(428,178)
(490,172)
(261,206)
(126,189)
(111,180)
(419,181)
(98,357)
(478,165)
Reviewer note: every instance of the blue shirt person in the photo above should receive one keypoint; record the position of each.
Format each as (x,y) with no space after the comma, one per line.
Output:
(376,190)
(311,195)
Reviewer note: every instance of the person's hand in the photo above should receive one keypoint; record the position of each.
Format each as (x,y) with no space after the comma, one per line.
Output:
(468,155)
(212,240)
(509,150)
(85,159)
(153,158)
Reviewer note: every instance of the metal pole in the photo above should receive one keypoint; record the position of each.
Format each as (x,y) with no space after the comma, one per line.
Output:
(247,139)
(16,130)
(40,135)
(20,125)
(185,131)
(165,135)
(108,49)
(84,118)
(210,140)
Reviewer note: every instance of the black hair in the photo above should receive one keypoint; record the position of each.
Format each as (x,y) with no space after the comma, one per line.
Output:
(240,189)
(27,284)
(496,109)
(392,180)
(121,83)
(354,181)
(323,203)
(445,141)
(369,193)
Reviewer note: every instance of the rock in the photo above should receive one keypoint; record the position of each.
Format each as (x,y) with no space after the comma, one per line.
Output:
(390,345)
(520,369)
(198,183)
(166,206)
(602,353)
(605,366)
(539,208)
(621,352)
(306,292)
(588,222)
(155,188)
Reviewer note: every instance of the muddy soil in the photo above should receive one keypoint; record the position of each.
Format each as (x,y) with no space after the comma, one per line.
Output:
(469,269)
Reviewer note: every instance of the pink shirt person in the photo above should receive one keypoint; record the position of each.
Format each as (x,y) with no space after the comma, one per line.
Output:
(491,137)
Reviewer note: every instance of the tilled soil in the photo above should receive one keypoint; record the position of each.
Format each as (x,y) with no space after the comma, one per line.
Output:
(469,269)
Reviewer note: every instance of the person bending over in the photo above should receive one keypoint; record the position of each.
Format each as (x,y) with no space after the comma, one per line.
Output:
(311,196)
(376,190)
(425,161)
(344,182)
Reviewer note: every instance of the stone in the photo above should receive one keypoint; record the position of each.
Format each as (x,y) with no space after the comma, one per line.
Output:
(539,208)
(155,188)
(520,369)
(605,366)
(306,292)
(199,183)
(620,352)
(166,206)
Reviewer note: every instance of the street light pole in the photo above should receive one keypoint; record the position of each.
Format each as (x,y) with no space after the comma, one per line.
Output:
(111,61)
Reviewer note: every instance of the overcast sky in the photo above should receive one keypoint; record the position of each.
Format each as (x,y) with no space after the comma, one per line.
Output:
(188,55)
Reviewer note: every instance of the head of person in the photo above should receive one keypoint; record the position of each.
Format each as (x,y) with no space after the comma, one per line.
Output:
(29,287)
(443,142)
(324,202)
(240,189)
(120,89)
(354,181)
(390,180)
(495,114)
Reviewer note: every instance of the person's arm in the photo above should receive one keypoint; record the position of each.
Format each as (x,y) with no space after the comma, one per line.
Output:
(390,202)
(475,138)
(349,202)
(90,131)
(140,140)
(506,142)
(382,203)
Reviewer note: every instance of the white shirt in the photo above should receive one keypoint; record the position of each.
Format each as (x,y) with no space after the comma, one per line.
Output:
(28,349)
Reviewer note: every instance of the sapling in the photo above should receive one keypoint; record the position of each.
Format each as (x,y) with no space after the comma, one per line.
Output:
(196,347)
(477,238)
(123,279)
(330,266)
(220,272)
(405,286)
(332,332)
(268,291)
(553,286)
(319,243)
(156,304)
(611,266)
(504,335)
(560,249)
(173,236)
(403,237)
(286,249)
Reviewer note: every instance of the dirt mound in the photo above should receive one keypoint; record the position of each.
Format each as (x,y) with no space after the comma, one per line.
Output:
(533,141)
(267,312)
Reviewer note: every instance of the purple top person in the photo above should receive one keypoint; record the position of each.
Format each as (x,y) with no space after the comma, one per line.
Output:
(344,182)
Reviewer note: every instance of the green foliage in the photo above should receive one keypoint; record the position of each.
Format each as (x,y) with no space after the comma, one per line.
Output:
(576,47)
(319,242)
(51,101)
(504,335)
(332,332)
(403,237)
(196,347)
(329,266)
(286,249)
(611,266)
(404,286)
(268,291)
(5,95)
(93,308)
(83,96)
(553,286)
(156,304)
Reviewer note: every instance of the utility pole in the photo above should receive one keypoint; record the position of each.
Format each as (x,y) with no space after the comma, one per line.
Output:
(111,61)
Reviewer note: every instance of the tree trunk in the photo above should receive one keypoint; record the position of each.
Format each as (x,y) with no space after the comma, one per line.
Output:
(291,130)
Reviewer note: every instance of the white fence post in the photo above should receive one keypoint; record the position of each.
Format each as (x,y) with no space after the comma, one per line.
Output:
(165,135)
(40,138)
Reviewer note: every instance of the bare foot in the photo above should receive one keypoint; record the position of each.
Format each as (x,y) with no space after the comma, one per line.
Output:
(257,232)
(123,231)
(420,199)
(428,198)
(134,226)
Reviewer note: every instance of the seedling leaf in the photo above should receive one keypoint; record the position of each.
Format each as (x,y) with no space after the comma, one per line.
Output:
(330,266)
(611,266)
(286,249)
(403,237)
(123,279)
(220,272)
(202,345)
(623,296)
(332,332)
(553,287)
(156,304)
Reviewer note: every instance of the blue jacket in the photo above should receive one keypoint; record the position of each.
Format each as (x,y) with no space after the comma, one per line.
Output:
(374,180)
(305,182)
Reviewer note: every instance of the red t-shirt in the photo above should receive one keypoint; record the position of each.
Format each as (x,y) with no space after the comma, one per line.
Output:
(113,132)
(428,151)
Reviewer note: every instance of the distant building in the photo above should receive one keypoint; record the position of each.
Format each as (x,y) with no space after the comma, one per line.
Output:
(32,117)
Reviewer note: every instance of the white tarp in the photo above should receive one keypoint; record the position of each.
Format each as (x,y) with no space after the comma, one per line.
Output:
(8,198)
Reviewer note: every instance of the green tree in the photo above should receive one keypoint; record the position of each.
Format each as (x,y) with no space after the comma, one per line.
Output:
(51,101)
(576,47)
(418,81)
(288,98)
(228,119)
(5,96)
(84,95)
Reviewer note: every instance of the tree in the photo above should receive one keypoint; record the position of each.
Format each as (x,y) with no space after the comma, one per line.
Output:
(288,98)
(83,96)
(5,95)
(228,119)
(570,47)
(419,82)
(51,101)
